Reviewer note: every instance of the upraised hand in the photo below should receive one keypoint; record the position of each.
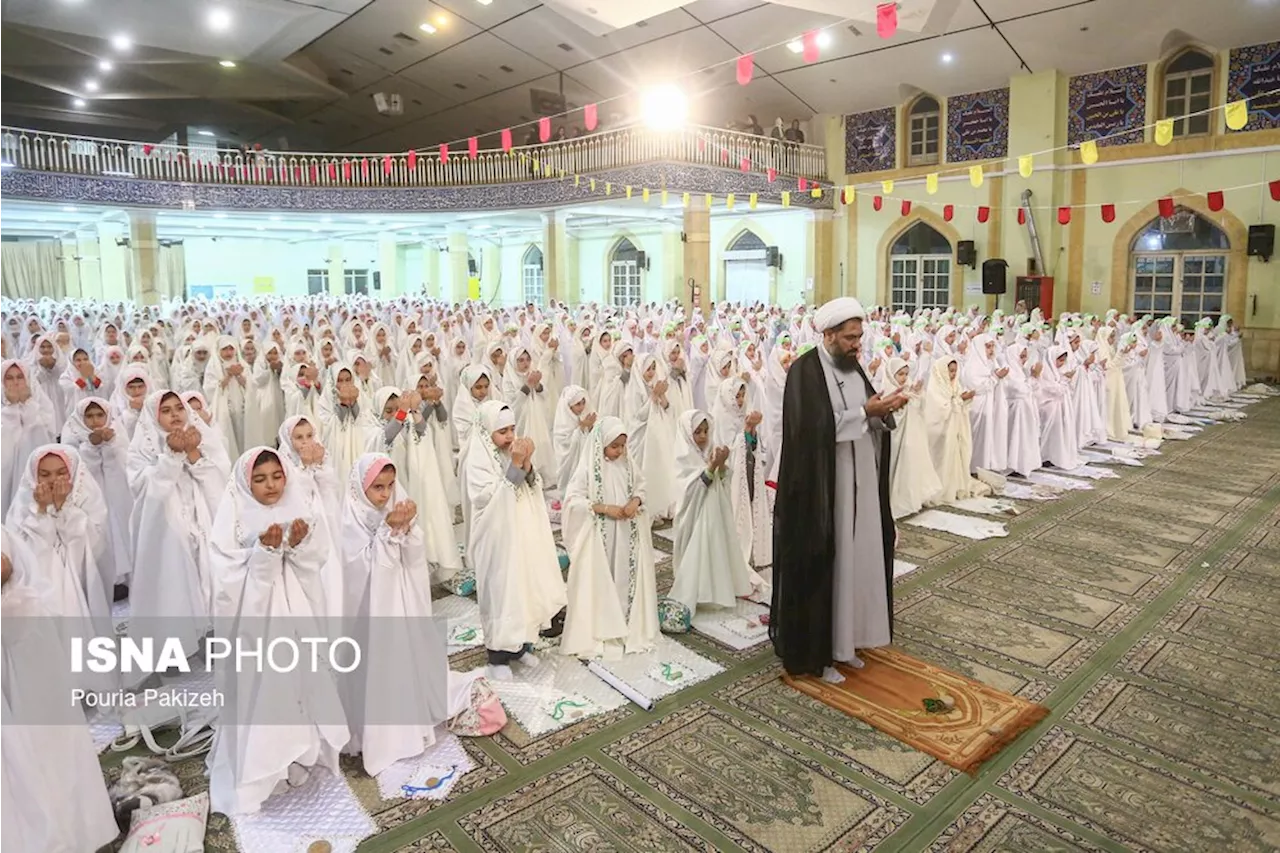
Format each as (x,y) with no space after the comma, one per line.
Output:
(719,457)
(967,395)
(434,395)
(43,495)
(410,401)
(535,376)
(272,537)
(311,454)
(95,437)
(177,441)
(522,453)
(587,422)
(753,420)
(348,395)
(298,531)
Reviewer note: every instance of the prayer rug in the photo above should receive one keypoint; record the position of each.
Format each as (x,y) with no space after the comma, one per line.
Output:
(957,720)
(987,506)
(1030,491)
(1044,478)
(667,668)
(738,627)
(431,775)
(1089,472)
(321,809)
(464,622)
(960,525)
(1109,459)
(902,567)
(556,693)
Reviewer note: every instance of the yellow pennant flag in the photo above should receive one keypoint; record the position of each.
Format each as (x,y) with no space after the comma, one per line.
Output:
(709,201)
(1164,131)
(931,183)
(685,200)
(537,167)
(628,192)
(644,195)
(608,188)
(664,198)
(1237,114)
(887,187)
(728,202)
(786,198)
(975,176)
(1026,165)
(752,199)
(593,184)
(1089,152)
(816,192)
(577,180)
(850,193)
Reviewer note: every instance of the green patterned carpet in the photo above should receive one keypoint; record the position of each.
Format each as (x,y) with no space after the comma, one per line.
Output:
(1140,613)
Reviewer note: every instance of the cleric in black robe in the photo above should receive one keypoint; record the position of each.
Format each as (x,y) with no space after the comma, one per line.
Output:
(833,530)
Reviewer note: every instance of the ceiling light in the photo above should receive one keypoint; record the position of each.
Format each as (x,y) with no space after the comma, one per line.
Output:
(79,103)
(427,28)
(326,220)
(105,65)
(275,219)
(484,2)
(664,107)
(219,20)
(219,216)
(441,20)
(227,63)
(823,38)
(91,85)
(205,132)
(122,43)
(946,57)
(68,209)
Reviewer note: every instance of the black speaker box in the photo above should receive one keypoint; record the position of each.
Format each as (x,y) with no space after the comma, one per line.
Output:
(1262,241)
(967,254)
(994,272)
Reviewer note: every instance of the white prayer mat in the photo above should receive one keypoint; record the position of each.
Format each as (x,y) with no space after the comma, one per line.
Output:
(120,617)
(321,809)
(1030,491)
(1108,459)
(1089,472)
(556,693)
(103,730)
(429,776)
(1129,450)
(1179,433)
(1184,422)
(464,622)
(902,567)
(668,667)
(737,627)
(987,506)
(961,525)
(1057,481)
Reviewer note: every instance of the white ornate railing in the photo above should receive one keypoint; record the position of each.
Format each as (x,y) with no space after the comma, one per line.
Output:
(704,146)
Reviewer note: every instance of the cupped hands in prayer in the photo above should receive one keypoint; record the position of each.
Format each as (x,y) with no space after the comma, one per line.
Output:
(587,422)
(878,405)
(719,456)
(401,516)
(311,454)
(51,493)
(98,436)
(522,453)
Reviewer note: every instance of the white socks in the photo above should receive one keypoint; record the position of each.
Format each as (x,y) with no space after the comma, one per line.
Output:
(831,675)
(498,672)
(527,659)
(854,662)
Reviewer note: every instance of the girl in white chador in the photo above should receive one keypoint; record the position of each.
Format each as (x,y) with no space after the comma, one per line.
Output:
(177,476)
(650,423)
(913,481)
(396,703)
(988,409)
(1024,414)
(28,422)
(225,384)
(54,798)
(708,560)
(526,393)
(271,553)
(946,416)
(1116,406)
(312,470)
(1059,444)
(739,430)
(613,600)
(574,421)
(439,427)
(104,453)
(518,580)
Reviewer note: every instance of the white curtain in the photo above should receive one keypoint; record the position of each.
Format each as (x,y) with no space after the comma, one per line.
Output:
(32,269)
(171,273)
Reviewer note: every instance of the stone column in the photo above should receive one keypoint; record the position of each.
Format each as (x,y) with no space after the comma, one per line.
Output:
(697,255)
(68,246)
(673,280)
(388,269)
(88,250)
(146,258)
(823,249)
(112,262)
(459,275)
(337,269)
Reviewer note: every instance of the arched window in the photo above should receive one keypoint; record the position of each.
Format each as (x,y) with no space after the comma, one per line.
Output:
(1180,268)
(1188,92)
(920,269)
(532,278)
(624,274)
(924,119)
(746,270)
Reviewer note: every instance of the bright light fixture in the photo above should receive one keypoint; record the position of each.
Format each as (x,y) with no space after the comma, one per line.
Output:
(664,107)
(946,57)
(68,209)
(219,20)
(79,103)
(5,164)
(275,219)
(205,132)
(219,216)
(105,65)
(227,63)
(823,39)
(441,20)
(91,85)
(484,2)
(122,43)
(427,28)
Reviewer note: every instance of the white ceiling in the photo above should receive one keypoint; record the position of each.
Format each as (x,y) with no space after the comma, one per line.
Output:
(308,70)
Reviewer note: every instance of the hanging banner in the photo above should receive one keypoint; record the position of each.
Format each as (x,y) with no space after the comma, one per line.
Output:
(1253,72)
(978,126)
(1107,103)
(870,141)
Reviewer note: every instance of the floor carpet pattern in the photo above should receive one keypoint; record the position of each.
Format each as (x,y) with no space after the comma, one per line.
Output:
(1143,614)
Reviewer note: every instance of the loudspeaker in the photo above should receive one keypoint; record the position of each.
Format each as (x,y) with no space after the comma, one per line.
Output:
(642,260)
(471,266)
(993,275)
(967,254)
(772,257)
(1262,241)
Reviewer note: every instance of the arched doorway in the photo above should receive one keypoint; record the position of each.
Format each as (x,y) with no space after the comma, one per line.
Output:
(746,274)
(532,281)
(1179,268)
(624,274)
(920,269)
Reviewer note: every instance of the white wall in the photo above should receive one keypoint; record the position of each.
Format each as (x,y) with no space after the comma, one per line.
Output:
(787,229)
(238,261)
(595,247)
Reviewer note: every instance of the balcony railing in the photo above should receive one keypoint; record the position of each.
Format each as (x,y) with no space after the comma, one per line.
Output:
(207,164)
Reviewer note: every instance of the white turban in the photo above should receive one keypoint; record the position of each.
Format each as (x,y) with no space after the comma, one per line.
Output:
(838,311)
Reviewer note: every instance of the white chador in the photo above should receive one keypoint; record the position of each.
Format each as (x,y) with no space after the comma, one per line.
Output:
(105,461)
(946,415)
(1116,406)
(405,688)
(174,501)
(52,794)
(1059,444)
(651,428)
(613,599)
(315,474)
(28,423)
(264,396)
(569,432)
(988,410)
(518,581)
(913,481)
(286,724)
(1024,414)
(709,564)
(407,439)
(529,403)
(226,393)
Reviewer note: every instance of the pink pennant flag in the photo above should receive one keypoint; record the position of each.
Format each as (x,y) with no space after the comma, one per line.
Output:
(802,184)
(746,65)
(1166,207)
(412,159)
(772,173)
(1064,216)
(473,148)
(386,165)
(809,41)
(745,165)
(886,20)
(506,139)
(544,129)
(589,116)
(906,207)
(444,152)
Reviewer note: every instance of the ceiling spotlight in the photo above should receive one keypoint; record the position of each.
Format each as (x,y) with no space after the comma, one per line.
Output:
(946,57)
(122,43)
(823,38)
(205,132)
(79,103)
(275,219)
(484,2)
(219,216)
(68,209)
(427,28)
(91,85)
(105,65)
(227,63)
(664,107)
(441,20)
(219,20)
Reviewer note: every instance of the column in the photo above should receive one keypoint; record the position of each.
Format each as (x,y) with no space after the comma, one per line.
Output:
(673,282)
(89,261)
(70,266)
(459,275)
(337,269)
(556,257)
(113,262)
(431,274)
(696,273)
(822,247)
(388,270)
(146,257)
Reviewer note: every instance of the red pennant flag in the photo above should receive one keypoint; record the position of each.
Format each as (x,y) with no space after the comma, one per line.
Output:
(506,139)
(745,165)
(724,155)
(386,165)
(746,65)
(147,149)
(1022,216)
(444,152)
(702,143)
(1165,206)
(772,173)
(473,148)
(1064,215)
(948,211)
(803,184)
(364,167)
(1275,190)
(984,213)
(877,203)
(886,20)
(906,207)
(346,170)
(1216,201)
(809,41)
(333,172)
(297,173)
(544,129)
(315,174)
(411,159)
(589,116)
(1108,213)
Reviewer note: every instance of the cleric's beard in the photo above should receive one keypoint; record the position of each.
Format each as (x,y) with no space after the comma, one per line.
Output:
(847,362)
